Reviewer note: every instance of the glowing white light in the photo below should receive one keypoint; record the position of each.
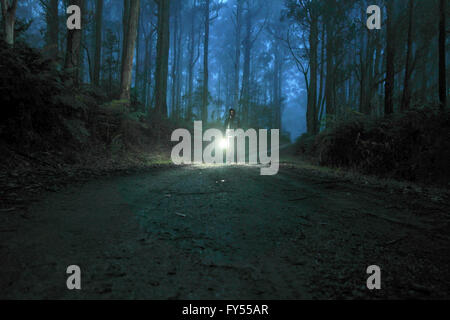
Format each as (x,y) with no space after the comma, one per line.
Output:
(223,143)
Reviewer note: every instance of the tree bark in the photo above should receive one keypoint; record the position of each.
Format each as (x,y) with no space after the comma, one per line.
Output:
(82,39)
(322,76)
(406,97)
(277,85)
(9,19)
(276,82)
(330,112)
(237,54)
(137,74)
(191,63)
(178,70)
(98,41)
(72,63)
(148,68)
(175,50)
(128,51)
(205,65)
(390,56)
(442,64)
(311,112)
(125,18)
(246,72)
(52,17)
(162,58)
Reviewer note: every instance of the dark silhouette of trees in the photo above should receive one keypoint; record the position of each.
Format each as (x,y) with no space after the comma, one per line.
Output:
(128,50)
(162,57)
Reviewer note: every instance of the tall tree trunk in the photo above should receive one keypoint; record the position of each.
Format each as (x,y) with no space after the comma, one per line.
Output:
(52,19)
(162,58)
(205,65)
(322,76)
(367,64)
(372,56)
(311,112)
(246,72)
(174,58)
(178,72)
(146,71)
(128,51)
(276,82)
(151,77)
(110,65)
(376,87)
(72,62)
(330,111)
(280,92)
(442,65)
(137,73)
(277,86)
(406,97)
(9,19)
(362,78)
(82,40)
(191,64)
(237,54)
(125,23)
(390,56)
(98,41)
(147,68)
(424,69)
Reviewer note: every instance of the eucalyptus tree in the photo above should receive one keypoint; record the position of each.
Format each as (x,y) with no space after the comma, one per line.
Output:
(128,50)
(9,8)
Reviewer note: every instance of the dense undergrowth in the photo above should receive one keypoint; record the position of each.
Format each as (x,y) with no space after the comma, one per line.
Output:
(41,111)
(413,146)
(52,134)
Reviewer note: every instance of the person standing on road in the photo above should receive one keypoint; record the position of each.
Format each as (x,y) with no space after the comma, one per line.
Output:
(232,121)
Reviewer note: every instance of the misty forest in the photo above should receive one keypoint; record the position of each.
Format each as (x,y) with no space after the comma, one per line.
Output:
(92,90)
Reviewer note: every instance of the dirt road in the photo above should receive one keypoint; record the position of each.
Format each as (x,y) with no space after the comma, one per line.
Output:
(226,233)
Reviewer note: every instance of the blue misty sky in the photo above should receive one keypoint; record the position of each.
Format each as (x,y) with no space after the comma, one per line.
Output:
(294,90)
